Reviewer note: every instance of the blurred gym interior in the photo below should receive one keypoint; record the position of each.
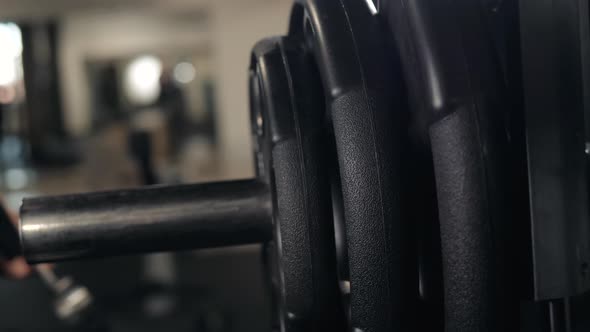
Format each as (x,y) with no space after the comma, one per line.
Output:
(108,94)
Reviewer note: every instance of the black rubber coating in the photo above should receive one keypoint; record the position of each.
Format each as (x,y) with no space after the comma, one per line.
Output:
(466,234)
(363,94)
(294,115)
(456,92)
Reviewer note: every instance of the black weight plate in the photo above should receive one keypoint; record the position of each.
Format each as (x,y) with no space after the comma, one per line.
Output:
(456,92)
(364,96)
(293,112)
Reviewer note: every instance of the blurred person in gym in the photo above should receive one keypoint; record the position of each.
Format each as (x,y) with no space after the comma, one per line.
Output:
(16,268)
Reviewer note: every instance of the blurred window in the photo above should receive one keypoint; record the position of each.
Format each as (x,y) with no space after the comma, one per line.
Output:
(10,61)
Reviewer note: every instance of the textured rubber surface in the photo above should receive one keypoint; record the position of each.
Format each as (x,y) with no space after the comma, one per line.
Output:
(302,210)
(466,233)
(373,259)
(455,86)
(363,94)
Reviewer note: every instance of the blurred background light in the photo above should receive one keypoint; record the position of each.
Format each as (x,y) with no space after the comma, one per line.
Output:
(184,72)
(11,41)
(16,178)
(142,80)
